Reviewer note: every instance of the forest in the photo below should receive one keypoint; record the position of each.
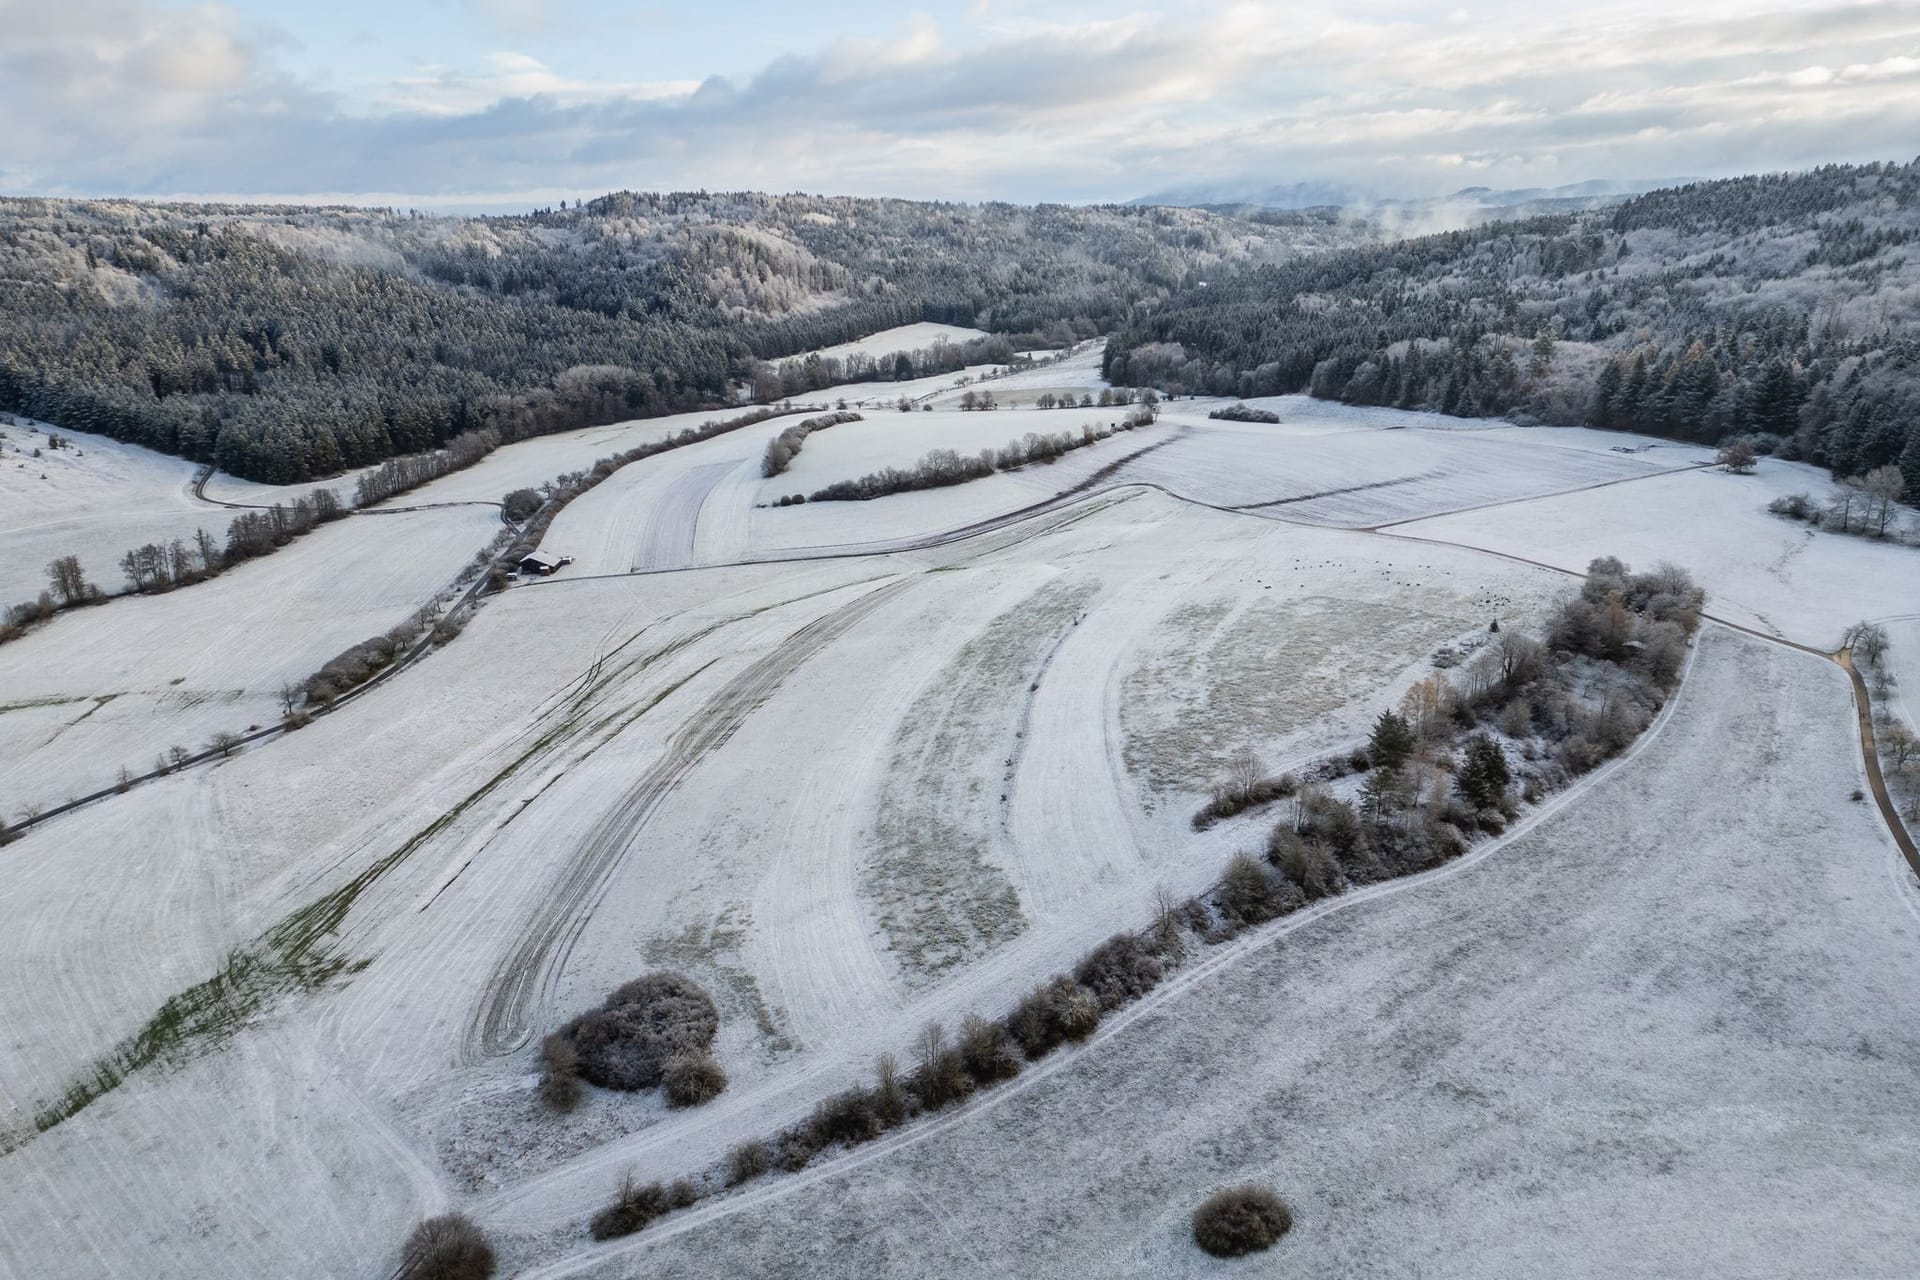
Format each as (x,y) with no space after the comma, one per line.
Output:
(283,344)
(1780,309)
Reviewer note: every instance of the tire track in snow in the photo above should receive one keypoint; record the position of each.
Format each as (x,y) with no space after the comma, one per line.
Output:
(525,978)
(1111,1029)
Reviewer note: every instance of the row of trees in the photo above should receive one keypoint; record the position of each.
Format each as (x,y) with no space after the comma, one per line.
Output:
(940,468)
(161,566)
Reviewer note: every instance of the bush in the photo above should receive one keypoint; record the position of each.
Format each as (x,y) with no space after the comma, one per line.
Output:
(1120,970)
(559,1073)
(448,1247)
(1248,897)
(942,1075)
(851,1117)
(631,1210)
(521,504)
(628,1041)
(1309,864)
(1244,413)
(1051,1014)
(747,1161)
(692,1078)
(1239,1221)
(988,1052)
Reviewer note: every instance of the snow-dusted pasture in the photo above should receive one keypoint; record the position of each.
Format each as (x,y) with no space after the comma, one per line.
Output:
(950,742)
(907,337)
(1763,571)
(1664,1033)
(116,685)
(95,499)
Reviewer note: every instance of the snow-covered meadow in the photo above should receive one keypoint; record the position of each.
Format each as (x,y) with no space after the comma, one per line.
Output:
(856,766)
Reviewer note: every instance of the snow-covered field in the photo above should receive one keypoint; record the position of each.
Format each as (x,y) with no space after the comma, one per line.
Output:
(95,499)
(901,776)
(1666,1033)
(1763,571)
(907,337)
(114,686)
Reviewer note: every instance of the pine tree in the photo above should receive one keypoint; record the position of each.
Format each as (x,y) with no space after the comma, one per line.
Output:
(1484,777)
(1392,742)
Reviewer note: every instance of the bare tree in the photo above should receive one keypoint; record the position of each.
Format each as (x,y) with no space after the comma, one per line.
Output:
(1245,772)
(1883,487)
(1868,640)
(68,579)
(224,742)
(1522,658)
(1737,457)
(1901,745)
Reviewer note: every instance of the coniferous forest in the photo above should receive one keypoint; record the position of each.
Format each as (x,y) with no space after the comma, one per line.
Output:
(284,344)
(1779,308)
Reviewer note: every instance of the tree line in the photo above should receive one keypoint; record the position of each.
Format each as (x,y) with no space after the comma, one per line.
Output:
(284,345)
(1772,308)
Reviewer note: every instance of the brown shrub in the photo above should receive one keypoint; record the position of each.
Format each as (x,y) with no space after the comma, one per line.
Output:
(1052,1013)
(559,1073)
(988,1052)
(851,1117)
(747,1161)
(1240,1220)
(628,1041)
(1120,970)
(633,1208)
(449,1247)
(690,1079)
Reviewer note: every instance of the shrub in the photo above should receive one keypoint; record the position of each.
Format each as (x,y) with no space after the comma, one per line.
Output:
(692,1078)
(448,1247)
(988,1052)
(628,1041)
(1248,897)
(851,1117)
(1244,413)
(1309,864)
(942,1075)
(632,1209)
(747,1161)
(889,1093)
(559,1073)
(521,504)
(1239,1221)
(1120,970)
(1051,1014)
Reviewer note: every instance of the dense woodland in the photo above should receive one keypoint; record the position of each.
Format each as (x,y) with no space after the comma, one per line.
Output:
(1780,308)
(283,344)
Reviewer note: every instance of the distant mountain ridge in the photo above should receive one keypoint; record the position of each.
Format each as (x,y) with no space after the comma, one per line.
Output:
(1469,206)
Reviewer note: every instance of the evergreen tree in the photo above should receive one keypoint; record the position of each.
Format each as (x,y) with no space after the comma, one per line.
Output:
(1392,742)
(1484,776)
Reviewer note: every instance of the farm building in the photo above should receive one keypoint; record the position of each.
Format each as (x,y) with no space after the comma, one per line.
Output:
(543,563)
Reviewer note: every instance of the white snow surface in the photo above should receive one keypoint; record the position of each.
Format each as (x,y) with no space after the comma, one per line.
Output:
(1761,570)
(903,776)
(907,337)
(1664,1033)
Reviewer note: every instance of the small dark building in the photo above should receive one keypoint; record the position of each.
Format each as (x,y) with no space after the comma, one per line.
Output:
(543,563)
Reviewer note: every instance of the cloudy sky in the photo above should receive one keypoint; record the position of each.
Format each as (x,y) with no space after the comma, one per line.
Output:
(478,102)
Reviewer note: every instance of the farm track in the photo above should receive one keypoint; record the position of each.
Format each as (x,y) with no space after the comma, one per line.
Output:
(525,978)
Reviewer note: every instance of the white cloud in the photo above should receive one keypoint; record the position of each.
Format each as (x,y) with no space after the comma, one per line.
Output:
(123,95)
